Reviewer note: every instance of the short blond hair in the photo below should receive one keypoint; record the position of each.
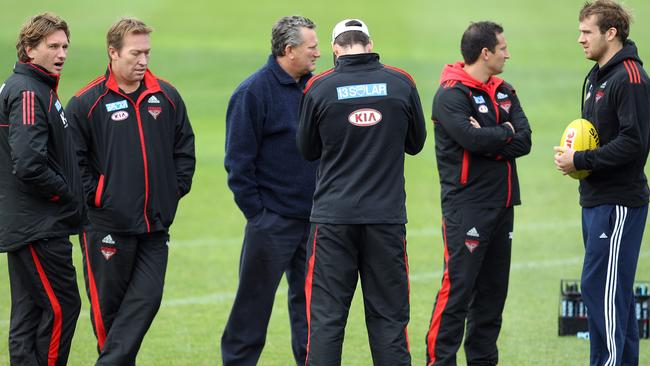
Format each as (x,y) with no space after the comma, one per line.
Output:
(123,27)
(35,30)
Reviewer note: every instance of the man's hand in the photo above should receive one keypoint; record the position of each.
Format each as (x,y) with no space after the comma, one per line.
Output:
(564,159)
(474,122)
(509,125)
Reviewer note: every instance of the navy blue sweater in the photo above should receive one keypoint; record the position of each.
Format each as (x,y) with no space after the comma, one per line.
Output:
(265,169)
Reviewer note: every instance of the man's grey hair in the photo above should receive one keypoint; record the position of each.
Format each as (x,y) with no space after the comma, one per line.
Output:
(286,32)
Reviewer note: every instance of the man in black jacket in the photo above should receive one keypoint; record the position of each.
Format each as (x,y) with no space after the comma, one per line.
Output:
(614,197)
(480,130)
(136,154)
(359,118)
(40,198)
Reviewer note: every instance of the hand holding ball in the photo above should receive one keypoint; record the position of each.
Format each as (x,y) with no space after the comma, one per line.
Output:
(580,135)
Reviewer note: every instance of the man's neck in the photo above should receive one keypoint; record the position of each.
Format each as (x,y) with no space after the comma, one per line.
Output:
(285,64)
(128,87)
(611,51)
(478,72)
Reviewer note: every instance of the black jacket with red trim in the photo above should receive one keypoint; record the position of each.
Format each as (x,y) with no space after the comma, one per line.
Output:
(477,165)
(359,118)
(136,156)
(40,188)
(618,104)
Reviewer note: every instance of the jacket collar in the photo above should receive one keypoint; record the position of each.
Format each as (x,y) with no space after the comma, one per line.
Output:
(39,73)
(628,52)
(150,82)
(357,61)
(456,72)
(282,76)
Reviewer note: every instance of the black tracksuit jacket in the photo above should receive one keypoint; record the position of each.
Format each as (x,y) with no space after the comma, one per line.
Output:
(40,187)
(477,165)
(359,118)
(617,103)
(136,156)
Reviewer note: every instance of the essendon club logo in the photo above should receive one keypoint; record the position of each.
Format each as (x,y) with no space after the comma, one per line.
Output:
(505,105)
(471,244)
(365,117)
(108,252)
(154,111)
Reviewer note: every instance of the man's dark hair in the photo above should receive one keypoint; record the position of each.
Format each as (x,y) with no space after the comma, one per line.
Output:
(349,38)
(286,32)
(609,14)
(478,36)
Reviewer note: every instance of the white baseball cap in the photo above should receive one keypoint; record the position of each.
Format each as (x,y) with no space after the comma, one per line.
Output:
(348,25)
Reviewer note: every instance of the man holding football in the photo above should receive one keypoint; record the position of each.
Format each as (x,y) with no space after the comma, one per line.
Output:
(614,197)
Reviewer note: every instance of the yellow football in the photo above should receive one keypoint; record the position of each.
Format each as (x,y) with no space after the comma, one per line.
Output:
(580,135)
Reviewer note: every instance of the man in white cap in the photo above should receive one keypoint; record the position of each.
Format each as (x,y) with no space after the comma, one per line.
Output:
(359,119)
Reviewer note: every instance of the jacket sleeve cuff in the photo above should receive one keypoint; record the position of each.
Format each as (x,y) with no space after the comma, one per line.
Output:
(579,160)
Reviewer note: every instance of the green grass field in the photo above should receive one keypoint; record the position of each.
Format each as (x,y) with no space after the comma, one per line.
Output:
(206,48)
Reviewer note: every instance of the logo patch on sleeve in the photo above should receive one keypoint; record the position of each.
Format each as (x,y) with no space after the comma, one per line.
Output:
(362,91)
(116,106)
(58,105)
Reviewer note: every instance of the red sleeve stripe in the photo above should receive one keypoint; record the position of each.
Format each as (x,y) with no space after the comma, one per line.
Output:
(90,85)
(401,72)
(28,108)
(316,77)
(449,83)
(632,71)
(635,71)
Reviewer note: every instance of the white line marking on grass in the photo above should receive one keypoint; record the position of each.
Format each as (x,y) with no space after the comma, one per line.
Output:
(426,276)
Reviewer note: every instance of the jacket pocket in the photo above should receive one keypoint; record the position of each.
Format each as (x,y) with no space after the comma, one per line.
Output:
(99,191)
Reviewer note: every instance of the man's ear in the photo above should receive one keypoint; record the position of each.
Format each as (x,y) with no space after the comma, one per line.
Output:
(484,53)
(113,53)
(369,47)
(611,34)
(288,51)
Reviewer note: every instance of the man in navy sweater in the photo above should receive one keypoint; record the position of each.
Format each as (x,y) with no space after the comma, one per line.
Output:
(273,186)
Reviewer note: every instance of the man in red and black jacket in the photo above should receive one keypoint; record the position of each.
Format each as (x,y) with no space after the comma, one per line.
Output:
(360,119)
(40,198)
(480,129)
(136,153)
